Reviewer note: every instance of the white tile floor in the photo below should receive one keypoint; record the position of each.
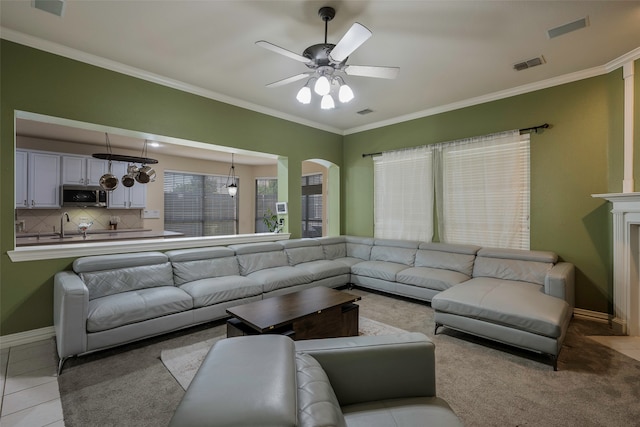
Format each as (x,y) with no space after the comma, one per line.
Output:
(30,395)
(629,346)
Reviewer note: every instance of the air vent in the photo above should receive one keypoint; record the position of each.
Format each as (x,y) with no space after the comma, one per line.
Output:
(534,62)
(365,111)
(567,28)
(52,6)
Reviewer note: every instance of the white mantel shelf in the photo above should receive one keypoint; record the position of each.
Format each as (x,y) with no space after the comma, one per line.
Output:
(626,260)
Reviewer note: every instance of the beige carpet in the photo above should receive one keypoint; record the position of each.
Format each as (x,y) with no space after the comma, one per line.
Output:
(183,362)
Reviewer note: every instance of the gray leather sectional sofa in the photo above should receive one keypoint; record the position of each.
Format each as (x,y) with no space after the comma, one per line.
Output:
(316,383)
(522,298)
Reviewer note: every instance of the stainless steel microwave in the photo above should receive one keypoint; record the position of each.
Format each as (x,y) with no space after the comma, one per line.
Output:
(83,196)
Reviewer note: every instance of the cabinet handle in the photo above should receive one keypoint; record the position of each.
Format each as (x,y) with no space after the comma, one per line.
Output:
(33,203)
(25,203)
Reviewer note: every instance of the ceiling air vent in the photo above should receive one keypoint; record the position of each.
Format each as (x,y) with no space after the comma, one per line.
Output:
(52,6)
(567,28)
(365,111)
(529,63)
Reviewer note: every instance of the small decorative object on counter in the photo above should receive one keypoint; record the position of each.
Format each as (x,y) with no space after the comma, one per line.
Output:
(113,222)
(83,227)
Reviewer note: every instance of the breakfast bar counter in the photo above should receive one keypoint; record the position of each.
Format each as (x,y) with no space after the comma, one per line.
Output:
(32,239)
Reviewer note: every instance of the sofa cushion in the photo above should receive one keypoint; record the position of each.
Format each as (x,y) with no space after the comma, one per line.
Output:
(348,261)
(216,290)
(188,271)
(358,247)
(317,403)
(413,411)
(462,263)
(378,269)
(324,268)
(124,308)
(395,254)
(511,269)
(280,277)
(333,247)
(431,278)
(110,282)
(304,254)
(515,304)
(112,262)
(251,263)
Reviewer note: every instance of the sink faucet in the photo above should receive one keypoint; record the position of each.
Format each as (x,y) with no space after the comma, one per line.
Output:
(62,223)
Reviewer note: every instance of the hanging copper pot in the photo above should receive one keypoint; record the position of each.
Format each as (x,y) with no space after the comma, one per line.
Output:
(146,174)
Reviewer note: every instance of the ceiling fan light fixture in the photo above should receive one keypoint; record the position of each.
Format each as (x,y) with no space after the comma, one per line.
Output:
(345,94)
(304,95)
(327,102)
(322,86)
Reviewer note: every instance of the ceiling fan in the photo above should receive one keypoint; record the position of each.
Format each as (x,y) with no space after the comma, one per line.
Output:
(328,62)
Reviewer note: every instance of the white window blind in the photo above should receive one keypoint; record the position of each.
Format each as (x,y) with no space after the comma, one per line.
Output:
(403,199)
(199,205)
(266,198)
(483,191)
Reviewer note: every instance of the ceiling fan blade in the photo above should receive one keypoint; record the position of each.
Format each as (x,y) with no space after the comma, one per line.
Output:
(352,39)
(289,80)
(371,71)
(277,49)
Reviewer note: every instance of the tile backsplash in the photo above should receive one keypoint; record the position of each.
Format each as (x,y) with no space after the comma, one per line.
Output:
(44,220)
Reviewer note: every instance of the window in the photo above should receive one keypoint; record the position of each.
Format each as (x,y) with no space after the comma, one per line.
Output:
(484,191)
(266,198)
(312,205)
(403,194)
(199,205)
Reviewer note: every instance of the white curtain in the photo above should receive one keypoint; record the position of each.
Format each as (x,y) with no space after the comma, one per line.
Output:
(403,199)
(482,190)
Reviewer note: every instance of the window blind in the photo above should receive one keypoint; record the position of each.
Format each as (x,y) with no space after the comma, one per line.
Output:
(199,205)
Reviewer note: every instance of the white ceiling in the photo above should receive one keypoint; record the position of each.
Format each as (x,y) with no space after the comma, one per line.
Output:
(448,52)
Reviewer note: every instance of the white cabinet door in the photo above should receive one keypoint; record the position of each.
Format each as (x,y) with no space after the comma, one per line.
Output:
(138,196)
(44,180)
(95,169)
(118,198)
(22,158)
(134,197)
(74,170)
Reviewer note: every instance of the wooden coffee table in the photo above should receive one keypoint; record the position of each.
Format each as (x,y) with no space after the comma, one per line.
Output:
(318,312)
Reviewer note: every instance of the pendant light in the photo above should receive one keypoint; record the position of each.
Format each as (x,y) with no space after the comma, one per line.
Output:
(233,187)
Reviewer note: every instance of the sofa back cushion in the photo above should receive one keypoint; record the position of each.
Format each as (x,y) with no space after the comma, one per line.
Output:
(513,264)
(254,257)
(302,250)
(112,274)
(334,247)
(202,263)
(398,251)
(359,247)
(447,256)
(317,402)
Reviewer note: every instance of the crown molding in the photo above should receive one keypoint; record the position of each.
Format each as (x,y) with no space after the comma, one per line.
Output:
(98,61)
(67,52)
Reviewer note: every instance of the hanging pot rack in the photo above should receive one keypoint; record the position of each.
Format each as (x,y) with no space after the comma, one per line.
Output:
(124,158)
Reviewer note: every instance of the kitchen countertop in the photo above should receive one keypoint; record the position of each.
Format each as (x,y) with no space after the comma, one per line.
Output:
(32,239)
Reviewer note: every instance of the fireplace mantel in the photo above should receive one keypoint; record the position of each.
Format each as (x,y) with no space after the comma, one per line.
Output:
(626,260)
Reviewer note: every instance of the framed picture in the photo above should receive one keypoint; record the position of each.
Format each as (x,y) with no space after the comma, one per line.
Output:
(281,208)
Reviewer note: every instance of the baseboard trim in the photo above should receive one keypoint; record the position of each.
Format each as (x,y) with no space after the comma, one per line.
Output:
(27,337)
(596,316)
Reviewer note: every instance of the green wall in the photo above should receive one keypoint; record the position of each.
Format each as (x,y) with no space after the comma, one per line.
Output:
(39,82)
(581,154)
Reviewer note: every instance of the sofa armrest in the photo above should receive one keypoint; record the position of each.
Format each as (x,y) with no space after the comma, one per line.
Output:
(70,310)
(371,368)
(559,282)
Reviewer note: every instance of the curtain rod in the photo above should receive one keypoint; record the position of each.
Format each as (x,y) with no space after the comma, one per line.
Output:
(536,129)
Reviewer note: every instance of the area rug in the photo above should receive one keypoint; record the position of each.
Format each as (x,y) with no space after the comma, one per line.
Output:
(183,362)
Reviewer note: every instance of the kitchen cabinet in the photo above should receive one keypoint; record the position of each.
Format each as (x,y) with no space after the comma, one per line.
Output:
(122,197)
(37,179)
(80,170)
